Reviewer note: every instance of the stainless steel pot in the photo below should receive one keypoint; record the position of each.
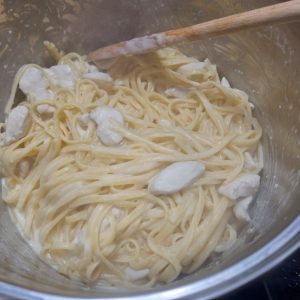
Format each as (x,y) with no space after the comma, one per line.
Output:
(265,63)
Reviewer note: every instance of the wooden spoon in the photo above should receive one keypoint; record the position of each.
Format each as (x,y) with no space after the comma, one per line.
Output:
(282,12)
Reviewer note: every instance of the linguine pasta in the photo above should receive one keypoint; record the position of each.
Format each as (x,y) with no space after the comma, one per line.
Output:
(85,207)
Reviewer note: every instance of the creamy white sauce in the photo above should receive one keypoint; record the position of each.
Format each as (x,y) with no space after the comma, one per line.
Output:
(20,221)
(23,167)
(177,92)
(249,162)
(134,275)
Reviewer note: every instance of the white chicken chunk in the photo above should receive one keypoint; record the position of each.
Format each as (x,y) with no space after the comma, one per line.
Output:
(34,84)
(244,186)
(62,76)
(17,124)
(103,116)
(240,210)
(175,177)
(45,109)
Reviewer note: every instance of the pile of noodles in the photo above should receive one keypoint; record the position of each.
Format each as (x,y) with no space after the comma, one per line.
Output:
(85,207)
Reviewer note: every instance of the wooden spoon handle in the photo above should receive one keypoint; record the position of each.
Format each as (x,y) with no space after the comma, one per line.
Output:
(286,11)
